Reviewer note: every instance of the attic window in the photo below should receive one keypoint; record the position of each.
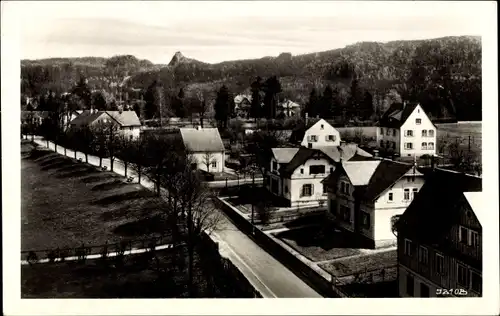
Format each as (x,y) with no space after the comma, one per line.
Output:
(322,126)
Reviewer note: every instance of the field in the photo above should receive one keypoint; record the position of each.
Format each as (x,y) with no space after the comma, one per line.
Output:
(466,134)
(66,203)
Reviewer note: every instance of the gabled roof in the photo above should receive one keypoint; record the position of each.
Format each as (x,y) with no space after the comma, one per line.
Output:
(477,203)
(438,206)
(284,155)
(397,114)
(300,157)
(124,119)
(299,132)
(344,152)
(370,177)
(289,104)
(202,140)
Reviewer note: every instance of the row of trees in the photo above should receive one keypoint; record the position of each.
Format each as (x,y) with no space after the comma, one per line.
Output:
(163,160)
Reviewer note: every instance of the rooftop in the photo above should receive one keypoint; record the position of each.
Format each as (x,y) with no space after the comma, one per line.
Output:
(202,139)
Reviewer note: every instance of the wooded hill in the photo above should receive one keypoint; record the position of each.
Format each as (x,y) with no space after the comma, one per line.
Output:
(443,74)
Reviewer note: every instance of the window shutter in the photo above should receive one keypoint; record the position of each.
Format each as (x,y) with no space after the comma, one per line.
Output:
(308,138)
(312,189)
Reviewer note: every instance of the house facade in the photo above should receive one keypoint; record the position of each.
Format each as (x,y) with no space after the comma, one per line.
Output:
(407,130)
(127,122)
(364,196)
(296,174)
(205,147)
(440,239)
(317,135)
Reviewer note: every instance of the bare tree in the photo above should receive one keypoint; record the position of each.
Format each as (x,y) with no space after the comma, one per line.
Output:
(208,159)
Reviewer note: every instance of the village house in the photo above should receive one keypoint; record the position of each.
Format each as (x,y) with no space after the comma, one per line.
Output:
(406,129)
(242,105)
(34,117)
(288,108)
(206,147)
(440,238)
(295,174)
(316,135)
(364,195)
(128,123)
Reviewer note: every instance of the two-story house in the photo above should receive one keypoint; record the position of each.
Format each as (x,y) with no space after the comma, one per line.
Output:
(316,135)
(440,238)
(406,129)
(128,122)
(364,195)
(296,173)
(205,146)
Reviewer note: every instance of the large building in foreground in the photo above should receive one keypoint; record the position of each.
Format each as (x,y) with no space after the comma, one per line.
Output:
(440,238)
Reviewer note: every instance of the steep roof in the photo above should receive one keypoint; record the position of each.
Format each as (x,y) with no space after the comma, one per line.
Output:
(344,152)
(300,157)
(370,177)
(202,140)
(397,114)
(284,155)
(476,202)
(299,132)
(85,118)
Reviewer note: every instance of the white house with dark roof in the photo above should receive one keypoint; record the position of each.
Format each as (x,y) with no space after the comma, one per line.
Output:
(295,174)
(363,197)
(407,130)
(316,135)
(205,146)
(127,121)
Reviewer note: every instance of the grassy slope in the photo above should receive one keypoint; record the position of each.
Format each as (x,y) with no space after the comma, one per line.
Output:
(65,203)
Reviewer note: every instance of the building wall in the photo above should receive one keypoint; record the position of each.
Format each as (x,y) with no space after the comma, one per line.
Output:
(132,131)
(393,137)
(298,179)
(403,272)
(342,199)
(321,134)
(201,158)
(417,138)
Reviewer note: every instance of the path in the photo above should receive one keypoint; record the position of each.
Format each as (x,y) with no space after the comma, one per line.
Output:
(268,275)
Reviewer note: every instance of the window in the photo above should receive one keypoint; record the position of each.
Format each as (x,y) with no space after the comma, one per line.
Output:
(325,189)
(463,235)
(474,239)
(313,138)
(345,212)
(423,255)
(330,138)
(431,133)
(463,275)
(430,146)
(322,126)
(365,220)
(393,145)
(393,132)
(410,179)
(382,131)
(131,128)
(382,143)
(409,133)
(476,281)
(286,189)
(391,196)
(439,264)
(310,145)
(418,121)
(407,247)
(388,144)
(408,145)
(307,190)
(317,169)
(424,290)
(388,132)
(301,171)
(131,137)
(424,145)
(275,165)
(410,287)
(344,187)
(331,169)
(214,164)
(414,192)
(424,133)
(406,195)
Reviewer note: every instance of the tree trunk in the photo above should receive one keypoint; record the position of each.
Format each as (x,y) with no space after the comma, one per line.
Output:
(125,165)
(139,173)
(86,158)
(111,162)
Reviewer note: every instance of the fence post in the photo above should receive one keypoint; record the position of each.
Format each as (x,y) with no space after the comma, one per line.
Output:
(226,182)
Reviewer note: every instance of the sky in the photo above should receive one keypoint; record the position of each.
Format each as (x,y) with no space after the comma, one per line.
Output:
(218,31)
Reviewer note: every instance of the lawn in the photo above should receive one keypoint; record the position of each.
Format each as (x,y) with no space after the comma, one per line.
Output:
(66,203)
(136,278)
(320,243)
(370,262)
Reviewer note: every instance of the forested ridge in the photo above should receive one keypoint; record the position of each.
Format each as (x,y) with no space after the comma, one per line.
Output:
(443,74)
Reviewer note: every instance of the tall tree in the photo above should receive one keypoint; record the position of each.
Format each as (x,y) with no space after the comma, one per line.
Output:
(328,106)
(156,106)
(271,88)
(312,106)
(256,108)
(99,101)
(223,107)
(83,92)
